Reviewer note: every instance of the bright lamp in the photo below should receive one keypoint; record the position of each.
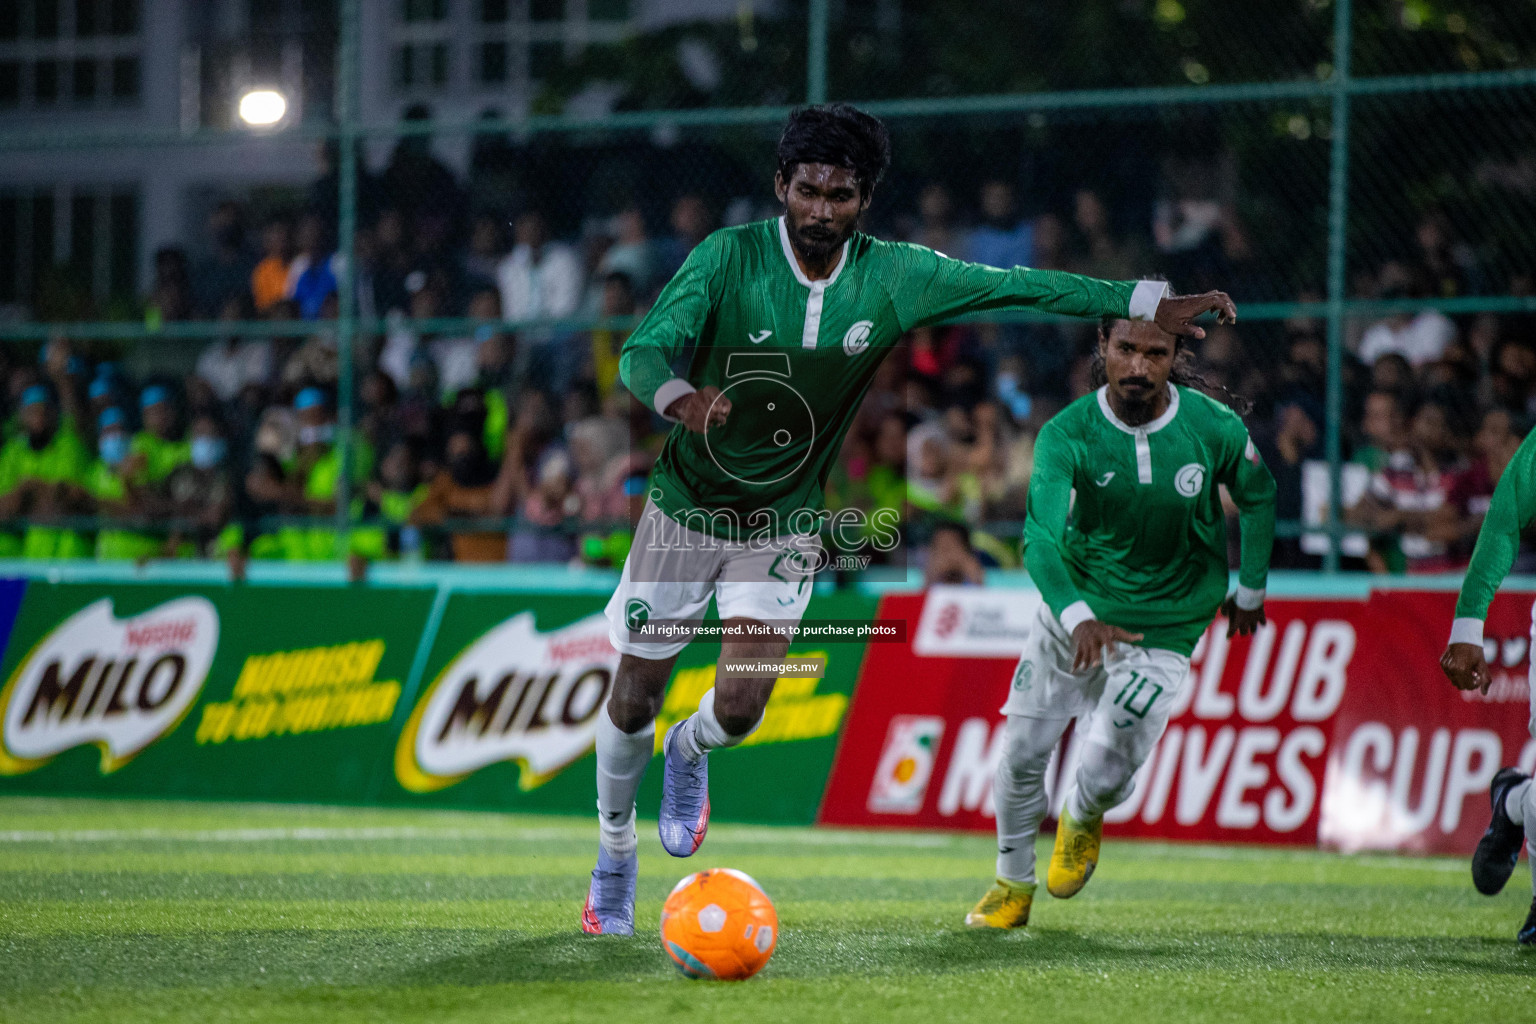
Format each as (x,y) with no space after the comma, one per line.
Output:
(261,108)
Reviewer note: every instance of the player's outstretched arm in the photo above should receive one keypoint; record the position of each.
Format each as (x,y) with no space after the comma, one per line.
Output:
(1176,313)
(680,312)
(927,287)
(1513,505)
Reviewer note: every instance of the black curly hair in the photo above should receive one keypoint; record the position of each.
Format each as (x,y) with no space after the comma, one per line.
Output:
(838,134)
(1184,372)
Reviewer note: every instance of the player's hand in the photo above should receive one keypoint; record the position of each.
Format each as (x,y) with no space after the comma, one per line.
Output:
(1096,640)
(699,410)
(1465,667)
(1241,621)
(1175,312)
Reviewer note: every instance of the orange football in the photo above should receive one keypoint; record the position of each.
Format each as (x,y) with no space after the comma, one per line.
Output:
(719,924)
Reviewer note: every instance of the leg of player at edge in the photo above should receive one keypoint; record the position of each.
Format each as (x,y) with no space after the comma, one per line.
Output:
(1512,825)
(626,740)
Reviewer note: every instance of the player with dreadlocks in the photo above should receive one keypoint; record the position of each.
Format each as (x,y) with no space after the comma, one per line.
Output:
(1126,538)
(788,319)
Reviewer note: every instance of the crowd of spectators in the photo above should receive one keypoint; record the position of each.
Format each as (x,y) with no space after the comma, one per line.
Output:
(481,444)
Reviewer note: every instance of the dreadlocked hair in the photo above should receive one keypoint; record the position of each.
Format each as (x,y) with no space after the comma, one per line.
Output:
(1185,374)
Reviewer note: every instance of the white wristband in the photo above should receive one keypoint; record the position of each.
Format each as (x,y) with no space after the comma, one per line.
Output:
(1144,299)
(669,392)
(1248,598)
(1467,631)
(1075,614)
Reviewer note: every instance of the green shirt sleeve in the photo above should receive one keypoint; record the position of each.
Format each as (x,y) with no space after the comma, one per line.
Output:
(928,287)
(1513,506)
(680,313)
(1252,488)
(1045,522)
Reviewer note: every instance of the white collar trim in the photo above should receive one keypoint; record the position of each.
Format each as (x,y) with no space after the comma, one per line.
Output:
(794,264)
(1146,428)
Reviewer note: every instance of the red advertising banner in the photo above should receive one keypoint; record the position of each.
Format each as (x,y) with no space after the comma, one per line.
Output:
(1242,760)
(1411,756)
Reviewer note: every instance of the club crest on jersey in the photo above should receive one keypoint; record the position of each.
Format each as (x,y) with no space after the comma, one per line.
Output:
(1189,479)
(857,338)
(516,694)
(117,683)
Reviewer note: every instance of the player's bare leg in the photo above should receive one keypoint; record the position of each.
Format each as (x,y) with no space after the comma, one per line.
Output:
(626,738)
(727,715)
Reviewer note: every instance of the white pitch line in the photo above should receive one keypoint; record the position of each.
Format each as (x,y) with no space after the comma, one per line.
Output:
(262,835)
(746,834)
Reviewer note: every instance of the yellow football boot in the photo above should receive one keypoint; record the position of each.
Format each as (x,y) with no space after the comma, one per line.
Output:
(1075,856)
(1006,905)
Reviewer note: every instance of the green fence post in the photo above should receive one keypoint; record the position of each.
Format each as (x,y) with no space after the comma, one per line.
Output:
(346,243)
(816,55)
(1338,230)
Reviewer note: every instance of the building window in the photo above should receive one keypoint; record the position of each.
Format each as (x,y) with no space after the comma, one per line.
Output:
(423,46)
(81,53)
(100,227)
(493,63)
(519,43)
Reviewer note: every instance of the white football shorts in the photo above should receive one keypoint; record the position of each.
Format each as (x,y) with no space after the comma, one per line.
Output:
(672,571)
(1123,703)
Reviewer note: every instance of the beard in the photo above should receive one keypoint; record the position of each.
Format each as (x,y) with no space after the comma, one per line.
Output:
(1137,400)
(816,242)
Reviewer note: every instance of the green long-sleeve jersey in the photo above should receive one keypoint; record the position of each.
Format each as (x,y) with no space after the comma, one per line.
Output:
(1125,524)
(1498,542)
(795,356)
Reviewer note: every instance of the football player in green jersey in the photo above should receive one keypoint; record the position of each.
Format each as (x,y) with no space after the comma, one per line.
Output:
(788,319)
(1127,540)
(1512,793)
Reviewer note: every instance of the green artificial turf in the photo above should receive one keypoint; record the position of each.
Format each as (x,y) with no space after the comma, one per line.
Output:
(123,912)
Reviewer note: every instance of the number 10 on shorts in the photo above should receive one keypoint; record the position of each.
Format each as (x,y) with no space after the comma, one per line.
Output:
(1138,695)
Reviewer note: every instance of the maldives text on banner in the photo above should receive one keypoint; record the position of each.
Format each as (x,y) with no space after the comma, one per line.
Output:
(1331,724)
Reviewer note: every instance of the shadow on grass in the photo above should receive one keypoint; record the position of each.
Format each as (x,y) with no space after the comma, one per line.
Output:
(281,960)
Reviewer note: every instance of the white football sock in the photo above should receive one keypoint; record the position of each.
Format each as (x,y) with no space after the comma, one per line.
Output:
(621,760)
(1515,801)
(1104,779)
(702,731)
(1018,792)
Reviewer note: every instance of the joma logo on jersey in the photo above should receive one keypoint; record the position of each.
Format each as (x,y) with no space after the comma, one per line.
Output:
(117,683)
(515,694)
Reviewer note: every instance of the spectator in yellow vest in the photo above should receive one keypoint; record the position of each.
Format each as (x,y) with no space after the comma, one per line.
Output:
(42,479)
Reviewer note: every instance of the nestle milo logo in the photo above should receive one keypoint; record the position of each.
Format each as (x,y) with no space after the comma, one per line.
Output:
(515,694)
(117,683)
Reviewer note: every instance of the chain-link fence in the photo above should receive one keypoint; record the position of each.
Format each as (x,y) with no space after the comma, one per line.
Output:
(386,323)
